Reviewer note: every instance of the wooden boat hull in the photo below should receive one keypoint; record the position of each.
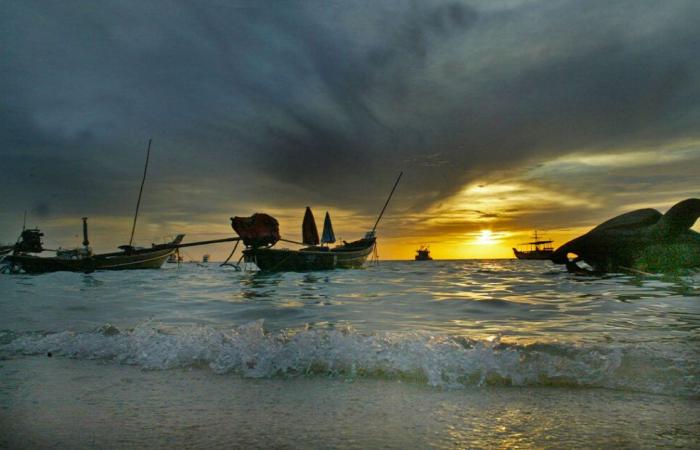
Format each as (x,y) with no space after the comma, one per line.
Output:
(354,255)
(535,254)
(123,261)
(281,260)
(348,256)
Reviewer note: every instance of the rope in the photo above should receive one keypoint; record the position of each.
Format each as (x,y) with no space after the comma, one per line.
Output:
(231,255)
(236,266)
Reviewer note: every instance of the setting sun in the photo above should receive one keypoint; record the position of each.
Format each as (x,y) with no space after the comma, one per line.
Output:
(485,238)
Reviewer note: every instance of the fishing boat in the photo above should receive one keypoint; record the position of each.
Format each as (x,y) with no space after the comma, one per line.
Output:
(312,257)
(537,249)
(349,255)
(82,259)
(136,258)
(24,257)
(260,233)
(423,254)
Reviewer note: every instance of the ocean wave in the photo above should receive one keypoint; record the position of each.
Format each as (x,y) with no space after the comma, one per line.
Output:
(438,360)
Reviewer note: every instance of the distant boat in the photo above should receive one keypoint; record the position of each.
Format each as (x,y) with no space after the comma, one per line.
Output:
(205,258)
(537,249)
(423,254)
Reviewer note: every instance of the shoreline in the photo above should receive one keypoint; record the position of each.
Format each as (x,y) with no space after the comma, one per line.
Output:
(59,402)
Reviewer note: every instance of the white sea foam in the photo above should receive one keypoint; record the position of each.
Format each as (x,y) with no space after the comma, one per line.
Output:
(438,360)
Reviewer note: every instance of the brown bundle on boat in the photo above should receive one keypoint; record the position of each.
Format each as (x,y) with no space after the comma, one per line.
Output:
(258,230)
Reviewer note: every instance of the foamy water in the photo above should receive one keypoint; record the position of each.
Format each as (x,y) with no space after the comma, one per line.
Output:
(424,357)
(454,326)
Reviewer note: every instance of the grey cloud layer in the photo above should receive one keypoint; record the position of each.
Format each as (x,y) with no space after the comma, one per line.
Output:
(303,102)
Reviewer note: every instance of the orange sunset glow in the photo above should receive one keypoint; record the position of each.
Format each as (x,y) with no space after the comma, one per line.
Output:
(350,224)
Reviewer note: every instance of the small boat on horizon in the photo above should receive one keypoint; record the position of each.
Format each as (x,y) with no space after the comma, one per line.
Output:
(538,249)
(423,254)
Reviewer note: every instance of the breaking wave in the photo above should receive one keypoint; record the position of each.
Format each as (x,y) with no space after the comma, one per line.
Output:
(438,360)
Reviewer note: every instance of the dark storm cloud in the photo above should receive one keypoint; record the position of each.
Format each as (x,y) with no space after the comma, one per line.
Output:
(301,102)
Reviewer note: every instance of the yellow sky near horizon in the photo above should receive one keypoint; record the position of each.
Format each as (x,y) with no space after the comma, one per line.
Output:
(486,218)
(468,246)
(489,240)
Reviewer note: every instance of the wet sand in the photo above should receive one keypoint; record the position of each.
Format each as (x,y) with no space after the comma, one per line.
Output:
(64,403)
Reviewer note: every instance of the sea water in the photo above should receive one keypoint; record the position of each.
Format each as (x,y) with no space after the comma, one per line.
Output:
(437,354)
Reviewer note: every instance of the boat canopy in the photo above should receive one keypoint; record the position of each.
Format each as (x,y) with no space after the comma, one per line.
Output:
(328,237)
(308,230)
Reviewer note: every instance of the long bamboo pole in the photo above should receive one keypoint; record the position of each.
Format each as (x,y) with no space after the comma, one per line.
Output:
(138,203)
(387,203)
(213,241)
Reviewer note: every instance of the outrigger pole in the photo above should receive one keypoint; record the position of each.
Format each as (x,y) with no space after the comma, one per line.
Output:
(138,203)
(176,245)
(387,203)
(213,241)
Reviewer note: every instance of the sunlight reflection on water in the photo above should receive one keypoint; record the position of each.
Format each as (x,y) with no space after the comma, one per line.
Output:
(520,300)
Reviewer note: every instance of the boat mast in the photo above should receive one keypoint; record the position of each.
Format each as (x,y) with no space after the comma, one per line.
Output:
(138,202)
(86,242)
(536,238)
(386,204)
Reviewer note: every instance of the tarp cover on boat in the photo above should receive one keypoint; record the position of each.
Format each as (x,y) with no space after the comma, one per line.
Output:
(328,237)
(258,230)
(308,230)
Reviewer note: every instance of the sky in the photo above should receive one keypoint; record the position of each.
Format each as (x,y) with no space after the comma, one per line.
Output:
(505,116)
